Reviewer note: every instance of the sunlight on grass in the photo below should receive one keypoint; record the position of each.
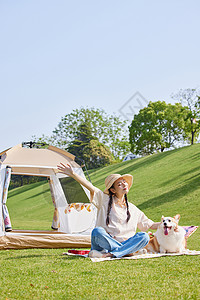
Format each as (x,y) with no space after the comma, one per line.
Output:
(164,184)
(31,207)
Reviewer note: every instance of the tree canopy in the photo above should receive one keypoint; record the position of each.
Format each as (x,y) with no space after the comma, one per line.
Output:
(157,127)
(98,138)
(109,130)
(191,99)
(97,154)
(83,128)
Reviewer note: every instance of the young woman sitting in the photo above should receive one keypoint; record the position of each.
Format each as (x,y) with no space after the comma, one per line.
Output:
(117,219)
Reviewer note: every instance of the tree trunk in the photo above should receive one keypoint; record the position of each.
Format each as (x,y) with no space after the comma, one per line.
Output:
(192,139)
(193,134)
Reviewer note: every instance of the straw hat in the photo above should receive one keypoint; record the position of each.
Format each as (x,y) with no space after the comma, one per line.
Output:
(113,177)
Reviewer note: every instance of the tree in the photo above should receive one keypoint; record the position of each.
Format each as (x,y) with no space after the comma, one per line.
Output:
(191,99)
(83,128)
(88,148)
(157,127)
(82,138)
(109,130)
(97,154)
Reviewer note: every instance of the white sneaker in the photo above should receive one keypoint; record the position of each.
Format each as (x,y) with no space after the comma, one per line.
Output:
(95,254)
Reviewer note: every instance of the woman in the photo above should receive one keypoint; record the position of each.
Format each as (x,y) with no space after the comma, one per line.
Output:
(117,219)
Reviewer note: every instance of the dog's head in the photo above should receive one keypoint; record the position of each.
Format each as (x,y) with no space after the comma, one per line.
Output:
(169,224)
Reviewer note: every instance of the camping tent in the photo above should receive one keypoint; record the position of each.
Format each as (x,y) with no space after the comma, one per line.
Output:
(130,156)
(74,217)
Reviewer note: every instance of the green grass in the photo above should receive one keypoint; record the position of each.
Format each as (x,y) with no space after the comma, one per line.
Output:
(167,183)
(46,274)
(31,207)
(163,184)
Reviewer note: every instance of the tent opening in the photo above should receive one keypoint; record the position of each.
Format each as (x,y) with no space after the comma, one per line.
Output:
(39,206)
(30,206)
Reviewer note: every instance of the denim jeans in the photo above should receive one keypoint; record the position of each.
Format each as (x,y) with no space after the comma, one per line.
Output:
(101,240)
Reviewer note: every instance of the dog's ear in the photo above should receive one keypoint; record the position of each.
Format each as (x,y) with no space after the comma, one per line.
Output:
(177,217)
(162,218)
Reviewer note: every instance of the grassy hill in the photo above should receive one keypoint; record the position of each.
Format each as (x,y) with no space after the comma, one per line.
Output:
(164,184)
(31,207)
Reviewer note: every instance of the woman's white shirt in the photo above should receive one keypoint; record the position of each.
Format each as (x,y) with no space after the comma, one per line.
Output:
(118,227)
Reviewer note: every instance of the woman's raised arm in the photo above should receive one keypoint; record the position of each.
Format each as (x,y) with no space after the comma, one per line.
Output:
(67,169)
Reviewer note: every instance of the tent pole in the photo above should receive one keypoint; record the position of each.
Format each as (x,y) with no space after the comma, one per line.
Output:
(83,165)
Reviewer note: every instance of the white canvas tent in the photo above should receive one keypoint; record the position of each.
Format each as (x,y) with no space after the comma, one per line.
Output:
(73,221)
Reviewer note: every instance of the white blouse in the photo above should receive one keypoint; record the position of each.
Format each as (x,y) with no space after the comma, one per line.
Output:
(118,227)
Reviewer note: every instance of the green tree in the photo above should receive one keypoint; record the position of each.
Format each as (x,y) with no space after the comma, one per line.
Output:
(88,148)
(97,154)
(157,127)
(82,137)
(109,130)
(191,99)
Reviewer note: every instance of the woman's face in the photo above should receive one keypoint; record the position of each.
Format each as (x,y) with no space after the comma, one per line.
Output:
(120,187)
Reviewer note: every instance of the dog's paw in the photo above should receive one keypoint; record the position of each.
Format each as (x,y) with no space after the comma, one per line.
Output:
(142,251)
(163,251)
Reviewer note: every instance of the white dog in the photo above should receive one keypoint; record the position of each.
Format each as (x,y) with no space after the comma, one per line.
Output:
(169,237)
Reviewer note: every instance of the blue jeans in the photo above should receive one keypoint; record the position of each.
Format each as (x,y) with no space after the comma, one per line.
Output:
(101,240)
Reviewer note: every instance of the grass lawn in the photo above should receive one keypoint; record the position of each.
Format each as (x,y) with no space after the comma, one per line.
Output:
(31,207)
(164,184)
(46,274)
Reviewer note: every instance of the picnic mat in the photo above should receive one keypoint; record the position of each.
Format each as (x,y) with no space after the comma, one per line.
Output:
(138,256)
(189,231)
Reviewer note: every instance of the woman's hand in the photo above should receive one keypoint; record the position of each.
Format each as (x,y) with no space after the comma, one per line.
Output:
(155,225)
(66,169)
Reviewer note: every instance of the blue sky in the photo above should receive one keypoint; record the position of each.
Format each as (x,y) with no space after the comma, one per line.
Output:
(56,56)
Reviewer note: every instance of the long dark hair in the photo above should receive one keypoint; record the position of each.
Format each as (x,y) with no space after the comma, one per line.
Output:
(110,202)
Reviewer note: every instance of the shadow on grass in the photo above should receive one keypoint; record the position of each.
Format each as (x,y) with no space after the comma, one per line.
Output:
(180,176)
(131,166)
(72,257)
(25,188)
(29,256)
(45,191)
(196,156)
(148,161)
(173,195)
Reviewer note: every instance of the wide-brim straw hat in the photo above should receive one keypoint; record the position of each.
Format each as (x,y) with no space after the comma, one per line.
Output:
(109,181)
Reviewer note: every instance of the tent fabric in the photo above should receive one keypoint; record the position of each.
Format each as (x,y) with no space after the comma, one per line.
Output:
(38,162)
(55,222)
(30,240)
(43,162)
(2,179)
(77,221)
(6,217)
(58,199)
